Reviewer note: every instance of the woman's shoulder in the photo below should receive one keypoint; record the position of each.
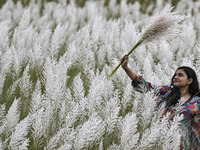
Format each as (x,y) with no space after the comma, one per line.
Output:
(195,99)
(193,106)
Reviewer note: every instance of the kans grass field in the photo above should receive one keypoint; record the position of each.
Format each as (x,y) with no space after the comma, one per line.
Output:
(55,59)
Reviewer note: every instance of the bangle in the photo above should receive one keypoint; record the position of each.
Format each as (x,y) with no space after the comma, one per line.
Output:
(136,77)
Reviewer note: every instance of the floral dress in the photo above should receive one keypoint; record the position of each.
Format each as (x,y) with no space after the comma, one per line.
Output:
(190,139)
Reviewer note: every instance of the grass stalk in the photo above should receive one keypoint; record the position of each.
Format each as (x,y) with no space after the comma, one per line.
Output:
(136,45)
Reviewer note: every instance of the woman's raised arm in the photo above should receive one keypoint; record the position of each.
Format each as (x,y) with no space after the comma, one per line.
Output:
(129,72)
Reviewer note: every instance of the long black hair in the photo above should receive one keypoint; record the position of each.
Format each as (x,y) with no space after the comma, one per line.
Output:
(175,95)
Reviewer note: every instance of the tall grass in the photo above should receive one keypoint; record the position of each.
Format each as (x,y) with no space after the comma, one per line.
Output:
(55,58)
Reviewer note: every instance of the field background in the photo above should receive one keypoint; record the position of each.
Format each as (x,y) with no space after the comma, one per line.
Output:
(82,2)
(55,58)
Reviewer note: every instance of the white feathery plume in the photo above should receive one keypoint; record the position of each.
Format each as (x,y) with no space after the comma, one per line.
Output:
(43,40)
(97,29)
(64,137)
(127,97)
(50,78)
(6,10)
(101,145)
(66,146)
(6,60)
(12,88)
(165,25)
(36,100)
(129,137)
(172,137)
(171,131)
(61,76)
(34,7)
(94,98)
(17,12)
(128,33)
(113,8)
(147,67)
(25,20)
(47,20)
(12,117)
(38,128)
(22,31)
(49,120)
(93,8)
(17,61)
(91,131)
(137,102)
(24,39)
(164,51)
(148,108)
(25,84)
(114,147)
(110,113)
(108,86)
(150,136)
(2,113)
(2,117)
(5,26)
(10,121)
(188,36)
(56,140)
(187,43)
(55,79)
(77,112)
(63,110)
(58,39)
(2,80)
(18,138)
(78,88)
(66,106)
(60,14)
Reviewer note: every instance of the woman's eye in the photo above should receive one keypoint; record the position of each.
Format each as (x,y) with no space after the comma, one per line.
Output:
(180,74)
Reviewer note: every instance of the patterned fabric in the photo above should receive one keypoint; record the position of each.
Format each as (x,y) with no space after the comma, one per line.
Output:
(190,124)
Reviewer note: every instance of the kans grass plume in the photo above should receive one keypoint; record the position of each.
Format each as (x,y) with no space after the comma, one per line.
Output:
(165,26)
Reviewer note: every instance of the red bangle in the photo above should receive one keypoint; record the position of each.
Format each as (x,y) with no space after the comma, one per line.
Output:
(136,77)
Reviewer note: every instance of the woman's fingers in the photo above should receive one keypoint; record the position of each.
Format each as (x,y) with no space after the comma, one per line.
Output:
(124,58)
(124,61)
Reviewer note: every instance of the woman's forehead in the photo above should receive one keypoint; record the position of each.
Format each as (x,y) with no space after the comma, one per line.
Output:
(180,71)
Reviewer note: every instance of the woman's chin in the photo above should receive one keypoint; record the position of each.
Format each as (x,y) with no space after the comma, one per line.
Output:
(176,85)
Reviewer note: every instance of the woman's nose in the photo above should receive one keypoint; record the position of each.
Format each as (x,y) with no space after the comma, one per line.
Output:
(175,77)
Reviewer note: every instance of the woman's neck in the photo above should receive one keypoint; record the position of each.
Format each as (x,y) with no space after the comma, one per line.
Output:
(185,93)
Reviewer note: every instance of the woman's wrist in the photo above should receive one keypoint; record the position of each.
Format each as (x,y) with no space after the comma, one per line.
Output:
(125,67)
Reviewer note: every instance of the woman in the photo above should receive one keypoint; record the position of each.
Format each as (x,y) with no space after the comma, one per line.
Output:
(184,86)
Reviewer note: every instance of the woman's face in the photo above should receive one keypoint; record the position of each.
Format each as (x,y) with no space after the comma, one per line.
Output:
(181,79)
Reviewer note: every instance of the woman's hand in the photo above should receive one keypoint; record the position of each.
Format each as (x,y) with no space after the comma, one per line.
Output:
(124,61)
(130,73)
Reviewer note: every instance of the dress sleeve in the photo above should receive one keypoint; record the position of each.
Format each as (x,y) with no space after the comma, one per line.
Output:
(139,84)
(193,108)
